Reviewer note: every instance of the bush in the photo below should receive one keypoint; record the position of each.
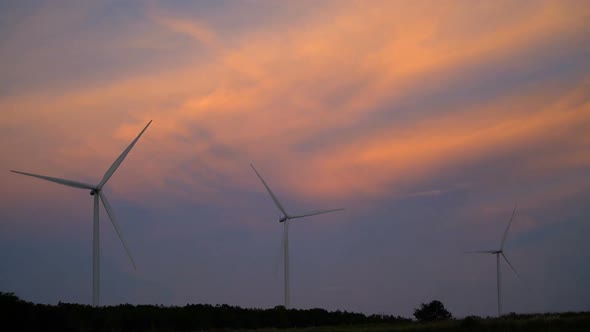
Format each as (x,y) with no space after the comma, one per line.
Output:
(432,311)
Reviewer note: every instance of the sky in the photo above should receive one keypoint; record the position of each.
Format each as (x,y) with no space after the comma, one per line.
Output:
(428,121)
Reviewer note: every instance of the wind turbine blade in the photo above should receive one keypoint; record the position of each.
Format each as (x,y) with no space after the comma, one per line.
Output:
(274,198)
(119,160)
(107,207)
(480,252)
(512,267)
(64,182)
(313,213)
(507,228)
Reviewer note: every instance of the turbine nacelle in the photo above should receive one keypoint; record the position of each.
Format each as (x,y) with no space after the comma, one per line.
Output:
(94,191)
(283,219)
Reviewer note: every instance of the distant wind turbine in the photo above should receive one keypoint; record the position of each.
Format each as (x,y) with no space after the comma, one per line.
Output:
(499,253)
(286,218)
(96,191)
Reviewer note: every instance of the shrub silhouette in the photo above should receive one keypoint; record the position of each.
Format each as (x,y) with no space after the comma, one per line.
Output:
(432,311)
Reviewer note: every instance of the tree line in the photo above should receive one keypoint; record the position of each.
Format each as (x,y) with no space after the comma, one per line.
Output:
(191,317)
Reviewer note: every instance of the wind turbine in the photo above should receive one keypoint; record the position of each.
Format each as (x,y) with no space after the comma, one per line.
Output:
(499,253)
(285,219)
(96,191)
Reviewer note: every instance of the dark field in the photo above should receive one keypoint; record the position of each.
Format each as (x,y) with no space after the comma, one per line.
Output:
(543,323)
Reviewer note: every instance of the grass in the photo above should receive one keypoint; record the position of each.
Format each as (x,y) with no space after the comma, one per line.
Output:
(569,322)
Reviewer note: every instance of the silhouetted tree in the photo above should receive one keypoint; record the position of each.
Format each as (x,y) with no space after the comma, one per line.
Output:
(432,311)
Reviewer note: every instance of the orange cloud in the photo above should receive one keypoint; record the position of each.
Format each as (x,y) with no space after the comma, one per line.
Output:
(261,96)
(399,154)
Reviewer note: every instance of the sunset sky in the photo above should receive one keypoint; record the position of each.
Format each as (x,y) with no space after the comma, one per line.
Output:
(426,120)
